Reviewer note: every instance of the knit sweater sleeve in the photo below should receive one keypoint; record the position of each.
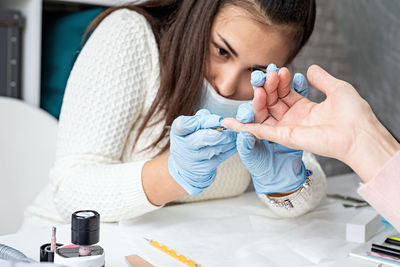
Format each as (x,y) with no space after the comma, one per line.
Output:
(305,199)
(104,98)
(382,191)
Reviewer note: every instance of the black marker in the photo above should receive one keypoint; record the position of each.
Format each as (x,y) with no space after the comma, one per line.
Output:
(393,240)
(386,250)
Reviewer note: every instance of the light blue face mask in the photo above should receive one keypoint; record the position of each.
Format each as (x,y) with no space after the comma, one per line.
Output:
(218,104)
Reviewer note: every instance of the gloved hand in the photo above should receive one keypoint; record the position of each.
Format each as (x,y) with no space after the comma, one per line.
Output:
(273,167)
(196,150)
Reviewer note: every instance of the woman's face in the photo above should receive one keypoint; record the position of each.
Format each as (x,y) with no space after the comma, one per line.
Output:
(238,45)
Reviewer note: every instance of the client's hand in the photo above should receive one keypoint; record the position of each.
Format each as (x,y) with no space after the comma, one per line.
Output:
(343,126)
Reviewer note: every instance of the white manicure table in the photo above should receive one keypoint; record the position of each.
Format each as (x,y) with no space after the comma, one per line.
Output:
(238,231)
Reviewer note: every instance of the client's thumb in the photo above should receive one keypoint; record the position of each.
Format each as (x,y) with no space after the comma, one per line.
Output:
(321,79)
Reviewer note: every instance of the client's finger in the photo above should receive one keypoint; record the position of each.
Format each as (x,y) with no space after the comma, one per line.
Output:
(323,81)
(271,88)
(286,95)
(232,123)
(275,106)
(261,131)
(284,81)
(295,137)
(260,104)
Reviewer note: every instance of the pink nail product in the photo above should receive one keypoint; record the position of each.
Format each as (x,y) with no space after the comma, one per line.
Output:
(47,250)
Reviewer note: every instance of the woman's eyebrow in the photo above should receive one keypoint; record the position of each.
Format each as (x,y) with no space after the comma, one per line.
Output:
(228,45)
(261,67)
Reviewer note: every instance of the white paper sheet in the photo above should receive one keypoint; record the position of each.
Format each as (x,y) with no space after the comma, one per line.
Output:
(220,233)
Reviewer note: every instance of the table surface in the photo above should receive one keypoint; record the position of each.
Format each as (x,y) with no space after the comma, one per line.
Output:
(238,231)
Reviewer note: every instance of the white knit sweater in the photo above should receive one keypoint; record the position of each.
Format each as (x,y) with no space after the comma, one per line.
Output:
(110,89)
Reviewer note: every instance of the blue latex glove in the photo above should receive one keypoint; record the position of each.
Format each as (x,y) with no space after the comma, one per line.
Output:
(274,168)
(196,150)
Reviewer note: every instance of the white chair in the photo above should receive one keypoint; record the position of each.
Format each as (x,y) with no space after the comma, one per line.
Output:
(27,151)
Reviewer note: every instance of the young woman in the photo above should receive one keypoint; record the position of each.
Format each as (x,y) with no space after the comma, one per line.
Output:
(123,147)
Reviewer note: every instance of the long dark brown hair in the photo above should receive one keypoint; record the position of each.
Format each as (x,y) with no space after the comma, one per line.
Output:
(182,29)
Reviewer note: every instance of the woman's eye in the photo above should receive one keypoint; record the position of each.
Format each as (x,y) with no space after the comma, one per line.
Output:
(253,69)
(222,51)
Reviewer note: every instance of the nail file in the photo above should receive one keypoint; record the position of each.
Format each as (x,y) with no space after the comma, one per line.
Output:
(137,261)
